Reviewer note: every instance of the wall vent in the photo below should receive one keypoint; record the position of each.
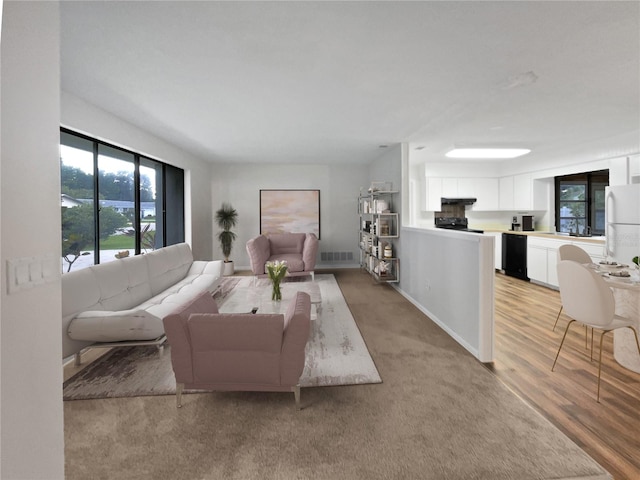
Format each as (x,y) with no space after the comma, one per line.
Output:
(336,256)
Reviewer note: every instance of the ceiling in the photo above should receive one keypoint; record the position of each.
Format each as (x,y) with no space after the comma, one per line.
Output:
(330,82)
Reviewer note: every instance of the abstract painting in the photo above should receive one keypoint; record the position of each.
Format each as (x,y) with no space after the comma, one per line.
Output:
(290,211)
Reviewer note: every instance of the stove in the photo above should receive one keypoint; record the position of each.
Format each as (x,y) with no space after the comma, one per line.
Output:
(454,223)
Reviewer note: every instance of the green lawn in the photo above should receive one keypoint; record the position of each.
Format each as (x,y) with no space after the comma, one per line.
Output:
(118,242)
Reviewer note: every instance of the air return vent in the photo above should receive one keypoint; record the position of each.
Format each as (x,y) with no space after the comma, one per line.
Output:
(336,256)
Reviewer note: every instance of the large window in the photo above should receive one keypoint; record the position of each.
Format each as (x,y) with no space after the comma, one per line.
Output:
(580,202)
(115,202)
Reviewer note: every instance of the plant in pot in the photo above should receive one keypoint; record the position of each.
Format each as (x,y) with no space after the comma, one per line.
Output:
(226,218)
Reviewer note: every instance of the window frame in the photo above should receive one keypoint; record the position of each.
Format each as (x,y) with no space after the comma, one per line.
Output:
(176,196)
(593,181)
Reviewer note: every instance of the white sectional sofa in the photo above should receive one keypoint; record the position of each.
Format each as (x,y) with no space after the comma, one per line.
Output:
(124,301)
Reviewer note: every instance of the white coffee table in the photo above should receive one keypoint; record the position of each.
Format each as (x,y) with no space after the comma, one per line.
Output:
(250,293)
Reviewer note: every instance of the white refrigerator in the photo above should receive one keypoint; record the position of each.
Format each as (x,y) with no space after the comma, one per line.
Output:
(622,219)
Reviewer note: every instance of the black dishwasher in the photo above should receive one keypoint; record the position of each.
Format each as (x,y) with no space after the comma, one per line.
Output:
(514,255)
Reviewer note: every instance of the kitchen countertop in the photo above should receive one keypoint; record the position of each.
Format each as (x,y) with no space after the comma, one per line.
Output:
(555,236)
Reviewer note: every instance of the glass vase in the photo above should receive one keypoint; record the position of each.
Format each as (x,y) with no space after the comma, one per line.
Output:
(276,294)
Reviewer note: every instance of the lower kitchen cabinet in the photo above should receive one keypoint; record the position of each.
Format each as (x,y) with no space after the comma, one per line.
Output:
(542,257)
(537,263)
(497,257)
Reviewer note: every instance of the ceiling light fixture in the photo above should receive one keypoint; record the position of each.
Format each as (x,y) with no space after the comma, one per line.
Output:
(487,152)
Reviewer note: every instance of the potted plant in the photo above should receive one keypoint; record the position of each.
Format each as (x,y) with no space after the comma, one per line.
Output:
(226,218)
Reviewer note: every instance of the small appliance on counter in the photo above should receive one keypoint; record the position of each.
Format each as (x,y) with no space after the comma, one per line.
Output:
(522,223)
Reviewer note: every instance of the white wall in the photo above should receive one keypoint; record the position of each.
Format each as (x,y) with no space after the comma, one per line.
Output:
(31,413)
(339,186)
(78,115)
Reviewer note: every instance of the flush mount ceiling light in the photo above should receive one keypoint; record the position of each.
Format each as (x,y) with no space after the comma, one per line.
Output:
(487,152)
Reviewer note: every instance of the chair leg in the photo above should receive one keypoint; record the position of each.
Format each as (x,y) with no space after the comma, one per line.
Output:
(179,388)
(600,364)
(296,394)
(561,343)
(557,318)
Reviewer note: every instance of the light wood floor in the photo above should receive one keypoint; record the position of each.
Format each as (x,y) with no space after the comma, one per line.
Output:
(525,347)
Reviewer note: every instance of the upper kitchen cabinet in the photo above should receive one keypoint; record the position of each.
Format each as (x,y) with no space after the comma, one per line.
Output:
(485,190)
(506,201)
(512,193)
(522,192)
(438,187)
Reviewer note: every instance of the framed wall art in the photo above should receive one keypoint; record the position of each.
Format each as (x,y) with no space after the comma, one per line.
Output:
(290,211)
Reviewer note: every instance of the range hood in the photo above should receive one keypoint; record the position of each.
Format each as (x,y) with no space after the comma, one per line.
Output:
(457,201)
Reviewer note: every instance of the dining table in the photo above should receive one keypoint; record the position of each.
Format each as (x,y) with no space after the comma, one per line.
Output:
(624,281)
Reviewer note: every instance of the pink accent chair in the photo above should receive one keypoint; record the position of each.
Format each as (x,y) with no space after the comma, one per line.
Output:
(299,250)
(238,351)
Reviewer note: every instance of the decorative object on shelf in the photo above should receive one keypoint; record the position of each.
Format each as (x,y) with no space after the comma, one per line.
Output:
(381,206)
(379,186)
(276,271)
(226,218)
(388,252)
(384,229)
(381,268)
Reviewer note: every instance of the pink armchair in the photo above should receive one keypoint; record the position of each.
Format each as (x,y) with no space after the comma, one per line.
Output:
(299,250)
(238,351)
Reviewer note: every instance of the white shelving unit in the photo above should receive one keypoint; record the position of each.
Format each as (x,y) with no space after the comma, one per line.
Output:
(379,225)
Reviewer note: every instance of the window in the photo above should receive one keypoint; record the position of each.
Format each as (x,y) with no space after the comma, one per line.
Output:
(115,202)
(580,202)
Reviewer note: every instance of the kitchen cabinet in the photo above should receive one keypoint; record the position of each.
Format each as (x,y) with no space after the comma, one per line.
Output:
(379,225)
(497,256)
(484,190)
(522,192)
(434,193)
(505,186)
(438,187)
(542,257)
(537,263)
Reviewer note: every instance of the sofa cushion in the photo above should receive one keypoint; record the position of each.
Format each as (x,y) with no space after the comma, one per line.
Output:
(286,243)
(168,265)
(294,261)
(113,282)
(108,326)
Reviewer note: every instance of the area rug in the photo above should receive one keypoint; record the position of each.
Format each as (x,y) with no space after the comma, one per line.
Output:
(336,355)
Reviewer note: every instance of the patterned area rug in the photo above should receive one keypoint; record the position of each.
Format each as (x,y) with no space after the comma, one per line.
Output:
(336,355)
